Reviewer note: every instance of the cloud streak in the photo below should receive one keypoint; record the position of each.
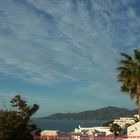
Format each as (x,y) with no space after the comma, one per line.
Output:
(48,42)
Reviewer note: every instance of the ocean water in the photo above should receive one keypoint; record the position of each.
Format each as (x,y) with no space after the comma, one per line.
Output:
(66,125)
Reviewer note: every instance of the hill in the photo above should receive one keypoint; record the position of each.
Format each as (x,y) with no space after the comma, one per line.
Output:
(107,113)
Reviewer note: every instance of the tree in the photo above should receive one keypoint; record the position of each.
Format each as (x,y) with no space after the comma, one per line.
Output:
(129,75)
(116,129)
(14,124)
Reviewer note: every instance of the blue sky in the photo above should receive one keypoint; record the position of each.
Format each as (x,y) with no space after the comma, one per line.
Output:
(62,54)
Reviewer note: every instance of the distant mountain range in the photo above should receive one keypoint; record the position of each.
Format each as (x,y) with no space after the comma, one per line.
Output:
(107,113)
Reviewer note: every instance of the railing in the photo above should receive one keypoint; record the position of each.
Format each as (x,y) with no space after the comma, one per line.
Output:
(85,137)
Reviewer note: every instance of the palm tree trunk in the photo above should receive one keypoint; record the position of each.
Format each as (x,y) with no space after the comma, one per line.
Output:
(139,105)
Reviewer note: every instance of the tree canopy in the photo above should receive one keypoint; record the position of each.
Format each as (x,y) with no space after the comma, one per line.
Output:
(129,75)
(14,124)
(115,128)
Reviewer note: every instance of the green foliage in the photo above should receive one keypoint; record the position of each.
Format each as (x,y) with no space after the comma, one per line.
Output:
(129,75)
(116,129)
(14,125)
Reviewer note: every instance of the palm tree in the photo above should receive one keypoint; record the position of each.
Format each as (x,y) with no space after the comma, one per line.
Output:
(129,75)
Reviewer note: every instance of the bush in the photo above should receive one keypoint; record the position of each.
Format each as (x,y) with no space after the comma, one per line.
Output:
(14,125)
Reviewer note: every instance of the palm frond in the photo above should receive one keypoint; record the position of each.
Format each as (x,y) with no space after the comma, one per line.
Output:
(124,89)
(127,63)
(137,55)
(129,74)
(128,57)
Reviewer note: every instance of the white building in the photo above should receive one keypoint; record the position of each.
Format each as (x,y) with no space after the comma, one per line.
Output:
(124,120)
(134,130)
(104,131)
(84,130)
(49,133)
(136,116)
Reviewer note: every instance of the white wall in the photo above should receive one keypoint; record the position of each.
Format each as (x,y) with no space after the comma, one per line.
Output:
(124,120)
(134,130)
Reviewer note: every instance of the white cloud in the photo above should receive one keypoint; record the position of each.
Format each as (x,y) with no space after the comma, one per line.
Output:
(47,42)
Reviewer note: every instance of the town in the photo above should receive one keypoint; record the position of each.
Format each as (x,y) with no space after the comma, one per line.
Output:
(122,128)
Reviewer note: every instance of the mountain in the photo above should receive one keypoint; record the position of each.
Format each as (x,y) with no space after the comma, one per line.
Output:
(107,113)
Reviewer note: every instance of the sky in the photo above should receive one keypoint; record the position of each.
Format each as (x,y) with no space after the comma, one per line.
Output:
(63,54)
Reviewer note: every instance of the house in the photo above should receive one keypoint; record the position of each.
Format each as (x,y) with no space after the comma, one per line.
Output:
(134,130)
(93,131)
(124,120)
(103,130)
(49,133)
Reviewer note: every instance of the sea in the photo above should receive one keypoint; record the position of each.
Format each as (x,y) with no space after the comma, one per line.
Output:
(66,125)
